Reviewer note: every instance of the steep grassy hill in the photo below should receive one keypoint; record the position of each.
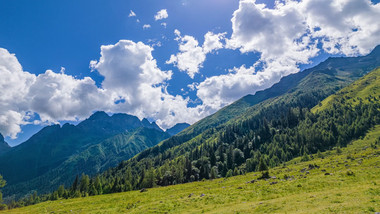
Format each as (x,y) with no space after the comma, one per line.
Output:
(336,181)
(365,90)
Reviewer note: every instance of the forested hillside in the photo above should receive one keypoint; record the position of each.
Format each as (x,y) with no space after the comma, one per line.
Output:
(336,181)
(272,131)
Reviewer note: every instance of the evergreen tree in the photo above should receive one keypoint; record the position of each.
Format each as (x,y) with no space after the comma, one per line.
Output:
(213,173)
(75,185)
(61,191)
(98,185)
(262,165)
(84,184)
(229,158)
(2,184)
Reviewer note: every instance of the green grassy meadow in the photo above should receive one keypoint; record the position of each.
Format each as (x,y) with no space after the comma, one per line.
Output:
(352,186)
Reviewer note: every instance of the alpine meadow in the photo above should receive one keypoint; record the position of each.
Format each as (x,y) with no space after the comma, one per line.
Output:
(181,106)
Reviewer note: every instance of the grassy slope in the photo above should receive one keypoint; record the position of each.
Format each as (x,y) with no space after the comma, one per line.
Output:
(365,89)
(312,192)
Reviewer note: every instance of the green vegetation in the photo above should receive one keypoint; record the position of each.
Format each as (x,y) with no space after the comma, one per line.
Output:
(337,183)
(365,90)
(2,184)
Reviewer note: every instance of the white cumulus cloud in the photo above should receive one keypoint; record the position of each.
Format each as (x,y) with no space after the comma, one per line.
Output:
(55,96)
(162,14)
(191,56)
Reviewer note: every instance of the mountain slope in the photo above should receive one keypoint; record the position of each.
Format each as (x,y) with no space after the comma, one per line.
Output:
(365,90)
(37,163)
(321,80)
(274,130)
(4,147)
(344,182)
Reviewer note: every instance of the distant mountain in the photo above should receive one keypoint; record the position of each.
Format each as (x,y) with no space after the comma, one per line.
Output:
(4,147)
(37,164)
(177,128)
(152,125)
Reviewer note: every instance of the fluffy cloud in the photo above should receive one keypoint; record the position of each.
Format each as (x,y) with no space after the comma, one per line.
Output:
(191,55)
(347,27)
(341,26)
(14,85)
(162,14)
(55,96)
(287,36)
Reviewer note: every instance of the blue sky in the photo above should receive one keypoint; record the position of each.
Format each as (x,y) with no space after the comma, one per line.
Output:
(48,35)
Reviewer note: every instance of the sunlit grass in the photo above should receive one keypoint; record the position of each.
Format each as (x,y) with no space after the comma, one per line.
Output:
(365,90)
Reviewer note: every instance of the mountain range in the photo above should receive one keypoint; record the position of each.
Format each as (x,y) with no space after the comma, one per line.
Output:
(55,155)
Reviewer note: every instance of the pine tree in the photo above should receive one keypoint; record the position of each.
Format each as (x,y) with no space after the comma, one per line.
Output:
(305,157)
(84,184)
(262,165)
(213,173)
(2,184)
(61,190)
(98,185)
(75,184)
(229,158)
